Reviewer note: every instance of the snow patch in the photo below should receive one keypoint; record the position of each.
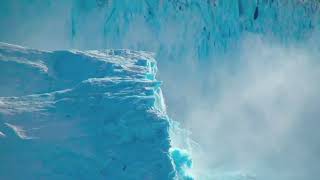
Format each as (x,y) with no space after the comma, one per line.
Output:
(20,132)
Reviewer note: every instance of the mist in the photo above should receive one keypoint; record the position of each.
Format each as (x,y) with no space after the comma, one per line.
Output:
(257,118)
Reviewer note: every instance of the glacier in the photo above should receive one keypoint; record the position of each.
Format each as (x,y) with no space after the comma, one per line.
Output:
(239,75)
(82,115)
(164,26)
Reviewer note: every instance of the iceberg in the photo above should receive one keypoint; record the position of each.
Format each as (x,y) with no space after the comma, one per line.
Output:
(82,115)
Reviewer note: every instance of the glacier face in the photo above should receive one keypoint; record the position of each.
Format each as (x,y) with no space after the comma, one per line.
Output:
(82,115)
(204,27)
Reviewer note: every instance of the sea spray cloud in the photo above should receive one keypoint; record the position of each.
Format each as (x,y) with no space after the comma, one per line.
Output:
(261,115)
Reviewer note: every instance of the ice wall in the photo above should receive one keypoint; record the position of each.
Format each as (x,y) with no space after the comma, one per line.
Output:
(203,27)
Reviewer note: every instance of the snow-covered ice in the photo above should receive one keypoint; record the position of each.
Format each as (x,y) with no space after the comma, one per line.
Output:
(89,115)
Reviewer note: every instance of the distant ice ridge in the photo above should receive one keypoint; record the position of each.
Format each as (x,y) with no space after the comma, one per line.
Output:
(83,115)
(182,28)
(169,27)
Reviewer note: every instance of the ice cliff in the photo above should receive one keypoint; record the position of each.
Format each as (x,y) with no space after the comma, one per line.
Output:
(170,27)
(177,29)
(82,115)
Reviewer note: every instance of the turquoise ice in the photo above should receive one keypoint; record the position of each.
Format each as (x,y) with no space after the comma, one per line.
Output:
(82,115)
